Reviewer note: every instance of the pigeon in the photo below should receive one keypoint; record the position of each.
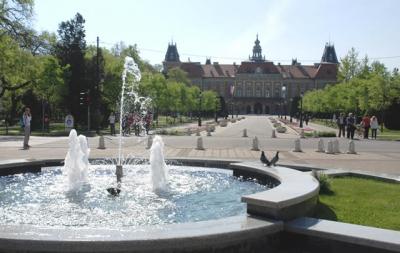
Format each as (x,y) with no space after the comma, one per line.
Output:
(274,160)
(114,191)
(264,159)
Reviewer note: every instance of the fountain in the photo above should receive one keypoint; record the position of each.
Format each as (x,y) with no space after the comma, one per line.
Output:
(76,161)
(159,173)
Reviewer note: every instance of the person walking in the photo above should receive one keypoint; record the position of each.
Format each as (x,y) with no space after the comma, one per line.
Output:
(341,123)
(26,120)
(351,126)
(366,123)
(374,127)
(111,119)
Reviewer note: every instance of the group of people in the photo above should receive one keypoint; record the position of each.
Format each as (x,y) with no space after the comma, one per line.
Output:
(131,121)
(349,125)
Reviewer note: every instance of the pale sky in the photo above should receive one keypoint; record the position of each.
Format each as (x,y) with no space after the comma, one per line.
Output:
(225,30)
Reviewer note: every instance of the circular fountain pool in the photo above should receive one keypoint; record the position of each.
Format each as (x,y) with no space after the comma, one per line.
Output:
(193,194)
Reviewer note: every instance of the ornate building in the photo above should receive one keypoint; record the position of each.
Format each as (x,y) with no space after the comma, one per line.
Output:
(258,86)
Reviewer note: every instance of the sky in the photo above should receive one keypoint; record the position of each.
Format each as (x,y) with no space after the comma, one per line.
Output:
(225,30)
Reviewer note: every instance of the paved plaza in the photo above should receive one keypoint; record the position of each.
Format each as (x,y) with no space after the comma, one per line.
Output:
(226,143)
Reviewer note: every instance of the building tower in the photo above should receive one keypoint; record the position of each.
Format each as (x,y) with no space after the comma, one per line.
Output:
(172,54)
(171,58)
(257,56)
(329,55)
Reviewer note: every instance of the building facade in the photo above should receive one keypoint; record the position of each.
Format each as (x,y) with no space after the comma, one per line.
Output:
(257,85)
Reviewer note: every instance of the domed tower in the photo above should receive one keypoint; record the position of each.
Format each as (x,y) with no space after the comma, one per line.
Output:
(329,55)
(257,56)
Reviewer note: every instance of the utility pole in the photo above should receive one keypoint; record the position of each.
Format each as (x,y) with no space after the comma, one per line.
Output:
(97,89)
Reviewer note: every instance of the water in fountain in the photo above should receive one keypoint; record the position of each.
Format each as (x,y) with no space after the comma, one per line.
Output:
(159,170)
(76,161)
(130,100)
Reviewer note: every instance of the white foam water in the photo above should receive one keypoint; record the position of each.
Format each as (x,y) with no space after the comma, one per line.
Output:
(76,162)
(159,170)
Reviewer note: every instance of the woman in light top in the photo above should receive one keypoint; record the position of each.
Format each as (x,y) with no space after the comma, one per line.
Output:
(374,127)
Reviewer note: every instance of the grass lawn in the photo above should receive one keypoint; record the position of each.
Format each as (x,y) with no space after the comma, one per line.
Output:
(361,201)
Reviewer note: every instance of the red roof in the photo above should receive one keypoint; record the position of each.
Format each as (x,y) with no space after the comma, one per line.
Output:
(296,71)
(264,67)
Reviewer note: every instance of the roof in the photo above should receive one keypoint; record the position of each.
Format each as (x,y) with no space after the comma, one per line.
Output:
(294,71)
(258,67)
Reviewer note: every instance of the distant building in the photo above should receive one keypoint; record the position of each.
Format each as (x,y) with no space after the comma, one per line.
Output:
(258,86)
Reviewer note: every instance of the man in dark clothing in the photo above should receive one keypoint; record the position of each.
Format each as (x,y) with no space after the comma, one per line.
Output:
(351,126)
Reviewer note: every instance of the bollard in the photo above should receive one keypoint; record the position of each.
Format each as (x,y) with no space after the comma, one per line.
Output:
(329,148)
(244,133)
(200,144)
(297,146)
(302,133)
(198,132)
(149,141)
(336,148)
(273,135)
(352,148)
(321,146)
(102,145)
(255,144)
(208,131)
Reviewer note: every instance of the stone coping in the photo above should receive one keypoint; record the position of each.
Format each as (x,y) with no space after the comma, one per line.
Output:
(345,232)
(165,238)
(295,187)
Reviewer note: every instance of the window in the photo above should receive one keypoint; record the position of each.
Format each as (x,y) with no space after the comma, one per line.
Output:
(267,93)
(258,91)
(249,91)
(238,92)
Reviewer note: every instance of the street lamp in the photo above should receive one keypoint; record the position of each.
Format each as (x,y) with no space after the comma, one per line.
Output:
(199,112)
(291,105)
(301,109)
(284,100)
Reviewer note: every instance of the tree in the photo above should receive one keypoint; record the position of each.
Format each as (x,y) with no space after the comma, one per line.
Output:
(178,75)
(15,16)
(349,66)
(70,50)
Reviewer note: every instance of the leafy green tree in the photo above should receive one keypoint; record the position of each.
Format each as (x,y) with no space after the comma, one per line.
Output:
(70,51)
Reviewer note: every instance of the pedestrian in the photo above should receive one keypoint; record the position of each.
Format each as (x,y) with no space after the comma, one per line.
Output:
(374,127)
(333,118)
(26,121)
(148,120)
(351,126)
(341,123)
(111,119)
(306,119)
(47,123)
(366,123)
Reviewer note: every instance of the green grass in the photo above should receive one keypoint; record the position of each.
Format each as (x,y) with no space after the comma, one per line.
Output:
(361,201)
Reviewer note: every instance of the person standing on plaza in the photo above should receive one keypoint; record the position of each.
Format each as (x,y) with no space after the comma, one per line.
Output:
(374,127)
(366,123)
(111,119)
(351,126)
(26,120)
(341,123)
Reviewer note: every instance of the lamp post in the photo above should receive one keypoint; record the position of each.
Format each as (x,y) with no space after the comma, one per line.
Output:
(199,112)
(291,105)
(283,101)
(232,91)
(301,109)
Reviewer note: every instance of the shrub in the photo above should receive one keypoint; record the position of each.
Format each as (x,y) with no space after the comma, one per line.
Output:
(281,129)
(324,182)
(277,124)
